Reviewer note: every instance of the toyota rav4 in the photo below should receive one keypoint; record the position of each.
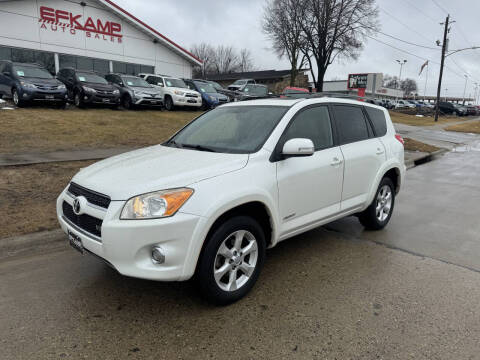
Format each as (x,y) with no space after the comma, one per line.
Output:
(235,181)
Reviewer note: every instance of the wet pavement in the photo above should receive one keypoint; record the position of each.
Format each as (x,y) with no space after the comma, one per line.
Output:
(411,291)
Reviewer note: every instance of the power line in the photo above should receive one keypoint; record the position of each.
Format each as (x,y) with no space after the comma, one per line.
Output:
(440,7)
(408,42)
(423,12)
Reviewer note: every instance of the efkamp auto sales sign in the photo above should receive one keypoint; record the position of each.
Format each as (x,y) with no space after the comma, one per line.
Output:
(67,22)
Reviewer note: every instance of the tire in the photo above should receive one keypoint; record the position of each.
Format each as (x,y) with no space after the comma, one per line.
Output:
(127,103)
(77,100)
(61,105)
(384,200)
(169,103)
(240,272)
(16,98)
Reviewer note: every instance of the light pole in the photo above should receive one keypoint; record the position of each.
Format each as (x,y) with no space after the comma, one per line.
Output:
(465,89)
(400,75)
(446,98)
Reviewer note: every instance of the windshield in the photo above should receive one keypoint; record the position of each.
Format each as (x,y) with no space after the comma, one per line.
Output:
(232,129)
(255,90)
(205,87)
(216,85)
(240,82)
(136,82)
(175,83)
(91,78)
(30,71)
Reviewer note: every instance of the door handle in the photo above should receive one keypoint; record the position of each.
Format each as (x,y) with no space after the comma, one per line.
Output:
(336,161)
(380,151)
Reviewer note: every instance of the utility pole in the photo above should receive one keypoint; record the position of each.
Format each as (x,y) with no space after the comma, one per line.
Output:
(442,63)
(400,75)
(465,89)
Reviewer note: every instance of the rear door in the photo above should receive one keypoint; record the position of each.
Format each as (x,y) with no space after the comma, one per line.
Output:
(310,188)
(363,153)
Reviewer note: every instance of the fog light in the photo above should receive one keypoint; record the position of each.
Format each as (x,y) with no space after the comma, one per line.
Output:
(157,255)
(85,97)
(25,95)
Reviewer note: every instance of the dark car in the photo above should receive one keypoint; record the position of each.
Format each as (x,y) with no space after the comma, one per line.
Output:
(135,91)
(240,84)
(472,110)
(87,87)
(229,93)
(252,92)
(449,108)
(210,97)
(30,82)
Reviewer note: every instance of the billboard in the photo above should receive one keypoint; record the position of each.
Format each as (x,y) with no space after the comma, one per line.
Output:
(357,81)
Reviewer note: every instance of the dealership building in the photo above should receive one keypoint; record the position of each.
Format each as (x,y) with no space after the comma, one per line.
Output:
(88,35)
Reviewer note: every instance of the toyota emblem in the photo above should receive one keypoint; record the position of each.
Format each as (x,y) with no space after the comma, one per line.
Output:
(76,206)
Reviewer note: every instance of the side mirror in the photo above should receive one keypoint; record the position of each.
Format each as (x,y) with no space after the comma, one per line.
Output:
(298,147)
(160,84)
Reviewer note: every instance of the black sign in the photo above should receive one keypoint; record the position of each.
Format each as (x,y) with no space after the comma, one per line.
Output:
(357,81)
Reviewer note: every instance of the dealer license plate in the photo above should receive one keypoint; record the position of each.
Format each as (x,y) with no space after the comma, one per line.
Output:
(75,242)
(106,100)
(49,97)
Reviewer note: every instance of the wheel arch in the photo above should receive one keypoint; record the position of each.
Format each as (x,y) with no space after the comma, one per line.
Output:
(391,170)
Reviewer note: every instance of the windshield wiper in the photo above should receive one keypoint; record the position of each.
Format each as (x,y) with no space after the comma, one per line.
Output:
(197,147)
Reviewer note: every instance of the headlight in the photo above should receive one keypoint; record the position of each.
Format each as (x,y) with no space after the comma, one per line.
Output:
(89,89)
(116,92)
(61,87)
(180,93)
(155,205)
(27,85)
(212,98)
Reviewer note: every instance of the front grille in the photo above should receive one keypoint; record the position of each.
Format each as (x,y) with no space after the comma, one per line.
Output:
(192,95)
(222,100)
(46,87)
(85,222)
(104,92)
(91,196)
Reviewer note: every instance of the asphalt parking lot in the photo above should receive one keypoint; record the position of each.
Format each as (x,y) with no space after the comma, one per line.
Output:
(409,292)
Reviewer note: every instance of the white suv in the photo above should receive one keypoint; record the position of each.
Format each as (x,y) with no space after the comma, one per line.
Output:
(174,91)
(233,182)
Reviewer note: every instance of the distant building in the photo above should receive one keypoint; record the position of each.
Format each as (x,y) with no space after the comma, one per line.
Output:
(276,80)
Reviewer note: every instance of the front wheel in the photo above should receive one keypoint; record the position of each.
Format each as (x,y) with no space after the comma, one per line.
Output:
(78,100)
(127,102)
(378,214)
(16,98)
(231,261)
(169,104)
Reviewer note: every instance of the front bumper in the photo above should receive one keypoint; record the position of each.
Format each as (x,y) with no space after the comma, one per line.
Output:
(95,98)
(127,244)
(43,95)
(148,101)
(187,101)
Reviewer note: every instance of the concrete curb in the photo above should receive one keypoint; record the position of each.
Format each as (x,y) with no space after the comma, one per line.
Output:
(44,240)
(424,159)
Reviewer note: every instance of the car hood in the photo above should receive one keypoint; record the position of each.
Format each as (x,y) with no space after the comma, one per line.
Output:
(38,81)
(141,89)
(98,86)
(217,95)
(155,168)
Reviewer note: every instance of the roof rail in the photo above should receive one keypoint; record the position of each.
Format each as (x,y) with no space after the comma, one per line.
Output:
(330,95)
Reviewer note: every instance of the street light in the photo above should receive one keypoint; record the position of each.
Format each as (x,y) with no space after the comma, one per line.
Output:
(446,98)
(465,89)
(400,75)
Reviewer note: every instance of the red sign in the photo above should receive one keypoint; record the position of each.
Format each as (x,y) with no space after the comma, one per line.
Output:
(62,20)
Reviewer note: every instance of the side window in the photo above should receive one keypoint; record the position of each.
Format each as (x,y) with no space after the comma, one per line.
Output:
(189,85)
(351,123)
(378,120)
(314,124)
(150,80)
(109,78)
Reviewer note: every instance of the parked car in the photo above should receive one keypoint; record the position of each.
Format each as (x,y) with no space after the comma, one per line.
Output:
(134,91)
(30,82)
(451,108)
(210,97)
(404,104)
(240,84)
(387,104)
(229,93)
(174,91)
(235,181)
(426,104)
(472,110)
(87,88)
(252,92)
(295,92)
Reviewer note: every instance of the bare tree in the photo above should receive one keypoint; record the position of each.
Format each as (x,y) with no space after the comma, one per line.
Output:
(390,82)
(336,28)
(225,60)
(245,61)
(282,24)
(408,86)
(204,52)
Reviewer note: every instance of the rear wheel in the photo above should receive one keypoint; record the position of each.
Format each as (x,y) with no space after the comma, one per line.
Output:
(127,102)
(378,214)
(231,260)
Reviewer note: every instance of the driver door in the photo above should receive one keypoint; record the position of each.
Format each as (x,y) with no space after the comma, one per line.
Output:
(310,188)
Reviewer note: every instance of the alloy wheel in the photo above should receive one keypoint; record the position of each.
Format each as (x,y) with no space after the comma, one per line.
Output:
(384,203)
(15,97)
(236,260)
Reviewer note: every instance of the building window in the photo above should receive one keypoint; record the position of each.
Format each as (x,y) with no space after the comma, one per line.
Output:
(43,58)
(131,69)
(84,63)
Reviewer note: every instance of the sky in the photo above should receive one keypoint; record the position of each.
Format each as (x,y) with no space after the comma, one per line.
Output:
(238,23)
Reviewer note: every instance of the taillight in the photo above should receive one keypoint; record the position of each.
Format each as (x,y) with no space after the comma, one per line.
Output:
(399,138)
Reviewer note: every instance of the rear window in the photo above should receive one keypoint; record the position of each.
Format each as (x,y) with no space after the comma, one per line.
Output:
(378,120)
(351,123)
